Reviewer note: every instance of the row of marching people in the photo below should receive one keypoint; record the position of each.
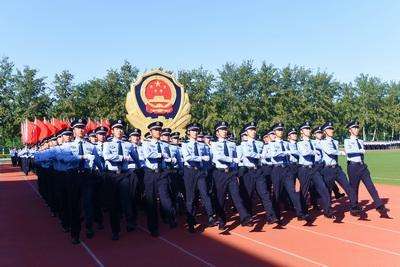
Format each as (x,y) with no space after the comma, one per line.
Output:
(79,170)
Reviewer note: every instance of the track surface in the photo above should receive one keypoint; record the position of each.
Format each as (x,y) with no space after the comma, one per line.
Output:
(30,237)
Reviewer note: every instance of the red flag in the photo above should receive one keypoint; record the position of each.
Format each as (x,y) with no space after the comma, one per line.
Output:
(59,124)
(29,132)
(106,123)
(91,125)
(52,129)
(32,133)
(43,130)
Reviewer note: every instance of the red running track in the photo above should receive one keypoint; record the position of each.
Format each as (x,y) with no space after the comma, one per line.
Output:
(30,237)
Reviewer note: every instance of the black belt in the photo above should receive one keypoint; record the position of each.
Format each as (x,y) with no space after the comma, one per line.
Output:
(252,168)
(355,163)
(307,166)
(331,166)
(223,169)
(155,170)
(192,167)
(281,165)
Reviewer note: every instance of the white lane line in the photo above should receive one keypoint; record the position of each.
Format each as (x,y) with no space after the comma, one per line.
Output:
(278,249)
(179,248)
(374,227)
(346,240)
(86,247)
(91,253)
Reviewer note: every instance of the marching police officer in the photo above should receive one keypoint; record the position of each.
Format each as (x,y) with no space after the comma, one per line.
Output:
(225,175)
(253,178)
(309,173)
(332,171)
(194,176)
(319,160)
(121,159)
(266,162)
(282,176)
(357,169)
(81,157)
(156,179)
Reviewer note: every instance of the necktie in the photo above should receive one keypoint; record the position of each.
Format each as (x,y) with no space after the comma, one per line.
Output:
(333,144)
(80,153)
(226,151)
(358,144)
(282,146)
(285,159)
(196,149)
(254,147)
(168,151)
(120,148)
(80,149)
(312,147)
(360,147)
(159,159)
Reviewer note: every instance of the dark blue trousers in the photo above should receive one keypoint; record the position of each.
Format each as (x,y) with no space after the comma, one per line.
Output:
(282,178)
(227,181)
(334,174)
(311,176)
(266,173)
(254,181)
(196,180)
(359,172)
(157,182)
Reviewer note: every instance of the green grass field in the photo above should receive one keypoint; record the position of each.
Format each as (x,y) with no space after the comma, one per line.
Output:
(384,166)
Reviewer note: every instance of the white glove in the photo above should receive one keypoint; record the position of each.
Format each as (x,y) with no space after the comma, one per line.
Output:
(128,158)
(159,155)
(167,160)
(173,160)
(205,158)
(236,160)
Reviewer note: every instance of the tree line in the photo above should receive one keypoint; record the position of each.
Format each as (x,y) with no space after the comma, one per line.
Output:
(237,93)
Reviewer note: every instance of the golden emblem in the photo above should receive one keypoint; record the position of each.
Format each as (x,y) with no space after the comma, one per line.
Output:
(158,96)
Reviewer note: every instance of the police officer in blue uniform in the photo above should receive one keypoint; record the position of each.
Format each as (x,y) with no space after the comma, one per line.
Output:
(135,139)
(177,184)
(121,160)
(81,157)
(332,171)
(266,161)
(225,175)
(282,175)
(194,176)
(253,178)
(309,173)
(319,161)
(156,179)
(357,169)
(62,178)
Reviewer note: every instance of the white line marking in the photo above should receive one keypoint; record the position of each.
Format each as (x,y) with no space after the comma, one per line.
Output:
(179,248)
(86,247)
(278,249)
(346,240)
(90,252)
(375,227)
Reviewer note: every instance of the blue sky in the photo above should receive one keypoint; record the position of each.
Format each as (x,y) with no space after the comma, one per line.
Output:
(88,37)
